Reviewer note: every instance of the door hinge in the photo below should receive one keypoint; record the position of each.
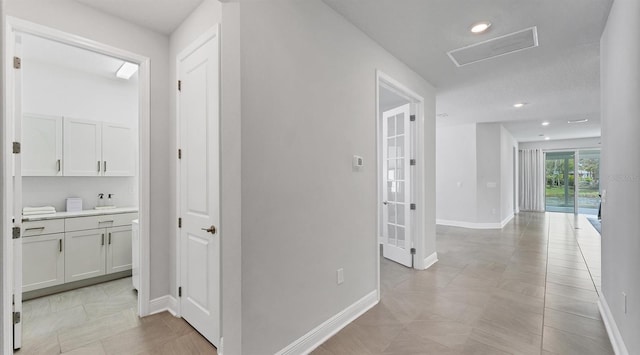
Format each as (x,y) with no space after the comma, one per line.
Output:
(412,118)
(412,162)
(17,147)
(180,291)
(179,85)
(15,232)
(180,222)
(412,206)
(17,62)
(179,153)
(16,317)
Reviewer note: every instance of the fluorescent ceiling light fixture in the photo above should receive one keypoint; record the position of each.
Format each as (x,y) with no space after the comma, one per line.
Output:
(545,123)
(578,121)
(480,27)
(127,70)
(519,104)
(547,138)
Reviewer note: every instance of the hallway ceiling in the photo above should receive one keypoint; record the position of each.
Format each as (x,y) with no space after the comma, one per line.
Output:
(560,79)
(162,16)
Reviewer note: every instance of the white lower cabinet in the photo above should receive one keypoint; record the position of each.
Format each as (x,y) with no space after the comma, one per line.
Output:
(43,261)
(84,254)
(79,248)
(118,249)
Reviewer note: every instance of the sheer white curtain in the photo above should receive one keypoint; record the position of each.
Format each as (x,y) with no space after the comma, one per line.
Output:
(532,180)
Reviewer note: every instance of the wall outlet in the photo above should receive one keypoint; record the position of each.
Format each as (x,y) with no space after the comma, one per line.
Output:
(624,302)
(340,276)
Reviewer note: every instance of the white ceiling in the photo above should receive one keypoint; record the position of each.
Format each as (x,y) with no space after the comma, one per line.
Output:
(560,79)
(162,16)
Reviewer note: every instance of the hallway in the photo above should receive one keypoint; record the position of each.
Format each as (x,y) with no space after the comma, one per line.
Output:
(530,288)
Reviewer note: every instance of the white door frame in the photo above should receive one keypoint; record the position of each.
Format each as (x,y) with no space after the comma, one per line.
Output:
(418,183)
(201,40)
(18,25)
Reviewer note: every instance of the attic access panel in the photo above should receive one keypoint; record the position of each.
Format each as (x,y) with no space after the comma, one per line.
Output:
(495,47)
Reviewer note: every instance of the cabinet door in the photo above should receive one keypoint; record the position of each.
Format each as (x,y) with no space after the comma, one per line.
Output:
(82,147)
(118,152)
(41,145)
(42,261)
(119,249)
(84,254)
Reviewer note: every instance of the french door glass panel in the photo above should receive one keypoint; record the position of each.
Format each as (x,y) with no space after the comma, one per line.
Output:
(588,181)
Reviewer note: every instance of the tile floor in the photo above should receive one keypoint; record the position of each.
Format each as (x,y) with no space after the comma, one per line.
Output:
(102,319)
(530,288)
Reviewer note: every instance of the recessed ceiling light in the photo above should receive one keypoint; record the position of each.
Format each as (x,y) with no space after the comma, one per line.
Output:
(578,121)
(545,123)
(547,138)
(127,70)
(519,104)
(480,27)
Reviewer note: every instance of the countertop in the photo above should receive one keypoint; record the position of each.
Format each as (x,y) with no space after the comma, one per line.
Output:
(58,215)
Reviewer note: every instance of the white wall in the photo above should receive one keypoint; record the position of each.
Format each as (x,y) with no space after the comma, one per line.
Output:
(308,105)
(580,143)
(507,186)
(474,184)
(72,17)
(620,174)
(58,91)
(456,173)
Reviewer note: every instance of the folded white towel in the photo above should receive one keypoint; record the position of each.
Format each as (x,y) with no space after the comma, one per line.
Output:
(37,213)
(39,209)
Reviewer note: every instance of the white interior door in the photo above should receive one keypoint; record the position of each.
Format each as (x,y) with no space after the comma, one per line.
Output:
(17,196)
(396,190)
(199,189)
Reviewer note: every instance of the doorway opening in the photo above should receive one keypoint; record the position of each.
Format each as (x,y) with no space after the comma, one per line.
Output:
(78,185)
(400,145)
(572,181)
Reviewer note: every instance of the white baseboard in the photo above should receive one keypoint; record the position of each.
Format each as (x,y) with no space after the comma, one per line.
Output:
(164,303)
(612,328)
(506,220)
(475,225)
(430,260)
(308,342)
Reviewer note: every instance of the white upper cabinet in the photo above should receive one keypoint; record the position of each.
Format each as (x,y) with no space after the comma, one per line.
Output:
(82,147)
(117,150)
(97,149)
(41,145)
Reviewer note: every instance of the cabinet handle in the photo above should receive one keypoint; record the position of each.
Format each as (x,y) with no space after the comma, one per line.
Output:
(59,165)
(102,238)
(109,238)
(98,165)
(60,244)
(109,221)
(104,166)
(34,229)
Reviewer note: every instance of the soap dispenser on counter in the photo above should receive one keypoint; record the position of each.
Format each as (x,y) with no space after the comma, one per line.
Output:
(100,201)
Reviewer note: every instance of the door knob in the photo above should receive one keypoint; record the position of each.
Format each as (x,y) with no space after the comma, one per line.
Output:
(385,203)
(211,229)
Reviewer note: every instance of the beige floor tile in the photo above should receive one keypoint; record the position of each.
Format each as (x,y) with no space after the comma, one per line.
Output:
(571,323)
(571,292)
(192,344)
(91,349)
(37,327)
(573,306)
(97,329)
(44,345)
(144,338)
(70,299)
(566,343)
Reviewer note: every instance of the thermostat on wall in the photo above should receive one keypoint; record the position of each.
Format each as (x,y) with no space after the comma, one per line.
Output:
(358,162)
